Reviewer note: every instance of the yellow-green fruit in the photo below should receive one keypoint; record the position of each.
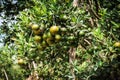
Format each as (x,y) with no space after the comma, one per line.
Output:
(57,37)
(81,33)
(40,47)
(44,36)
(49,41)
(71,38)
(37,38)
(37,32)
(49,35)
(54,29)
(20,61)
(44,44)
(35,26)
(117,44)
(65,17)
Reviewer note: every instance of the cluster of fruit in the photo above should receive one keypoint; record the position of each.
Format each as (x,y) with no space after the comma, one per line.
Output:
(46,37)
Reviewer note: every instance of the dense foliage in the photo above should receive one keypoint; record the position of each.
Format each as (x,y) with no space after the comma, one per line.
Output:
(53,40)
(8,11)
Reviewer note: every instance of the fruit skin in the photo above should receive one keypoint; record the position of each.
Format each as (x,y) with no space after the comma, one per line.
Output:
(20,61)
(81,33)
(44,44)
(40,47)
(71,38)
(49,41)
(117,44)
(54,29)
(35,26)
(37,38)
(57,37)
(65,17)
(44,36)
(37,32)
(49,35)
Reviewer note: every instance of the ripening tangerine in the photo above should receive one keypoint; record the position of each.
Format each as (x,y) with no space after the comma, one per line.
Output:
(20,61)
(37,38)
(117,44)
(37,32)
(44,44)
(35,26)
(54,29)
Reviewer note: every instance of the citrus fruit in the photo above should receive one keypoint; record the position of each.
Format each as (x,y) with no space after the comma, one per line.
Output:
(37,38)
(117,44)
(35,26)
(54,29)
(20,61)
(57,37)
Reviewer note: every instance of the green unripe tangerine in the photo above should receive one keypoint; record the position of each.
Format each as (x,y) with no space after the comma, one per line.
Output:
(40,47)
(44,36)
(44,44)
(71,38)
(81,33)
(49,35)
(57,37)
(37,32)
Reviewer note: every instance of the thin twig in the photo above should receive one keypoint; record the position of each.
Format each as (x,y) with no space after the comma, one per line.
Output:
(34,65)
(35,72)
(90,9)
(87,41)
(99,5)
(5,74)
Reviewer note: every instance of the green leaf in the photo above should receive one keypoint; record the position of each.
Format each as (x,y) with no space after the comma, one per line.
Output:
(98,33)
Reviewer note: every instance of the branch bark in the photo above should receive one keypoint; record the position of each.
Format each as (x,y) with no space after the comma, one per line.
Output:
(34,75)
(75,3)
(72,55)
(5,74)
(91,10)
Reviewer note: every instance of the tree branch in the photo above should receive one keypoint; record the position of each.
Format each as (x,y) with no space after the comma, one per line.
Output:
(5,74)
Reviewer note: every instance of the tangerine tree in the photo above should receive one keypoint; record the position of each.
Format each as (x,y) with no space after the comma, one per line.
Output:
(57,40)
